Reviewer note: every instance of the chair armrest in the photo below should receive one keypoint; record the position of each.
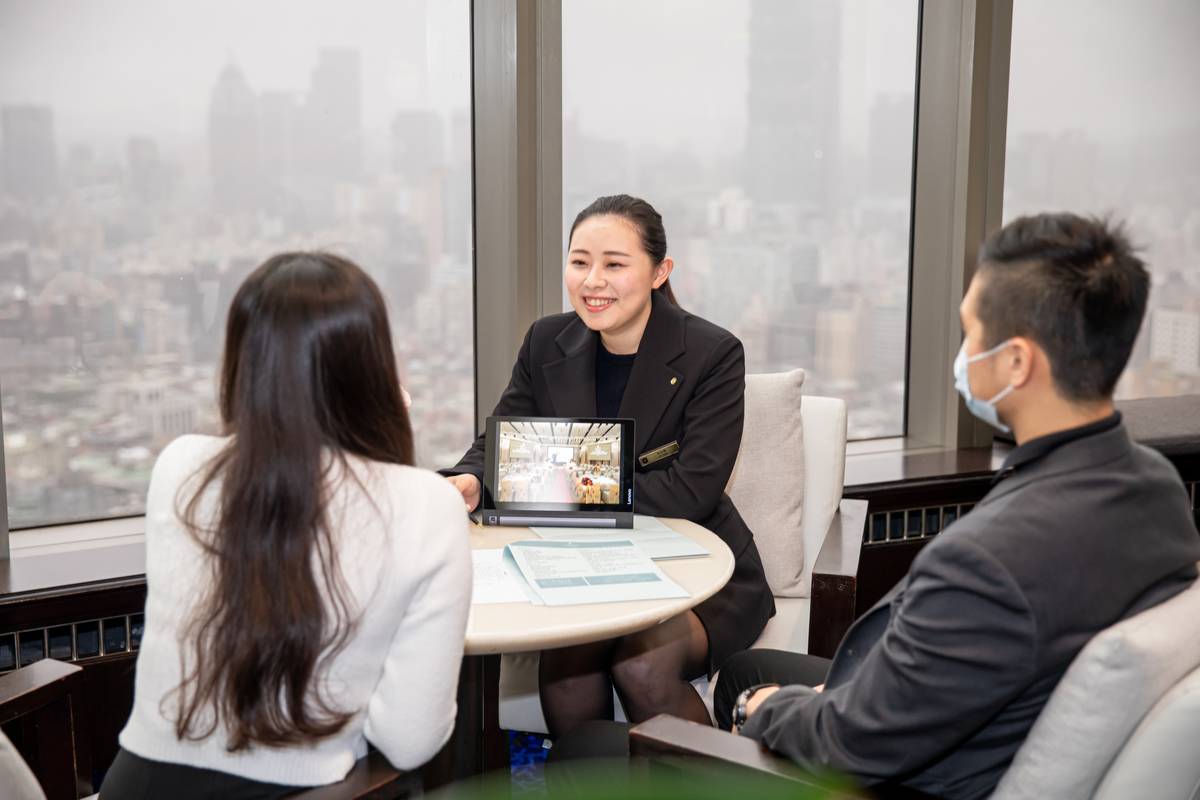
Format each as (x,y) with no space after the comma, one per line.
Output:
(666,739)
(37,685)
(372,778)
(44,702)
(665,735)
(835,579)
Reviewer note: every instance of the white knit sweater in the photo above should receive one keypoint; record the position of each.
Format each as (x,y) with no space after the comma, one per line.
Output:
(403,549)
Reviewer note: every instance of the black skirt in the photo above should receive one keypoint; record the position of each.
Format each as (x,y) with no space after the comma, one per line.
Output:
(734,617)
(132,777)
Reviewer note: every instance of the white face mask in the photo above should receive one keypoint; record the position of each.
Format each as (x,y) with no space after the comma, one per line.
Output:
(983,409)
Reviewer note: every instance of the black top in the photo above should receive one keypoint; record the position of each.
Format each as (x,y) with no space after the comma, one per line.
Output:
(612,376)
(1042,445)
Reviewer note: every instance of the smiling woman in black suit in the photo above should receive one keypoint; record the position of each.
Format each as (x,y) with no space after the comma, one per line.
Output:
(629,350)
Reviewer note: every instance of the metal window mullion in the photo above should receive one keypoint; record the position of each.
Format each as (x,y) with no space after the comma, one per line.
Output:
(517,179)
(958,177)
(549,157)
(5,548)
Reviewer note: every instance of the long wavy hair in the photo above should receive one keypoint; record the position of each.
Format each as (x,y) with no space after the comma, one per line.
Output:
(308,376)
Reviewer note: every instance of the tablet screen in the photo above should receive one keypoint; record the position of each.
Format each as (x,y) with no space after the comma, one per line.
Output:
(559,464)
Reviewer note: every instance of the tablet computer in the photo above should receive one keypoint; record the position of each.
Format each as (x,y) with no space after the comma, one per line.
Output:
(566,471)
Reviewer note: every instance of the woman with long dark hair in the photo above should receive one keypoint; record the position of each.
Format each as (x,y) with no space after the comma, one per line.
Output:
(307,587)
(628,350)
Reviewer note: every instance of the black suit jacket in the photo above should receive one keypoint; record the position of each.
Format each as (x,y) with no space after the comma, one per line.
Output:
(939,683)
(688,386)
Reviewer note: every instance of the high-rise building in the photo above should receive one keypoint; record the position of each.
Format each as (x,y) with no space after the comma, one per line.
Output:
(889,151)
(838,343)
(887,340)
(278,127)
(792,101)
(458,220)
(28,160)
(1050,171)
(148,180)
(15,288)
(333,116)
(1175,339)
(418,143)
(233,142)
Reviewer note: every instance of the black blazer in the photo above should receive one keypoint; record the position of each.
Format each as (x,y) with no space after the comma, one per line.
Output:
(938,684)
(687,385)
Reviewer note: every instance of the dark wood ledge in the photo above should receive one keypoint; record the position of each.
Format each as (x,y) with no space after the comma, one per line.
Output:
(878,471)
(42,591)
(1170,425)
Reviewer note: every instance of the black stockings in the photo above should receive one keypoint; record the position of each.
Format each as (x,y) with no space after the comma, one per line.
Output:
(651,671)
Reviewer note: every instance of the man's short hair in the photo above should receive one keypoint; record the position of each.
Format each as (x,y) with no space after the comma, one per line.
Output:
(1073,285)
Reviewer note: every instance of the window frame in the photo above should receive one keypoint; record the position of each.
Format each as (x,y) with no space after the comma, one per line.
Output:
(5,539)
(959,138)
(958,193)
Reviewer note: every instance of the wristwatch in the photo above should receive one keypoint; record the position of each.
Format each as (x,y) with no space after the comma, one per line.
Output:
(739,706)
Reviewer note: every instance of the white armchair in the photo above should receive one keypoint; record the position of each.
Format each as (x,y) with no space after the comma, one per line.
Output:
(1123,722)
(792,443)
(19,783)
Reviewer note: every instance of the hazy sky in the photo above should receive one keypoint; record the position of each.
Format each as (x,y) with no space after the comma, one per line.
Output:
(1117,68)
(115,67)
(676,70)
(659,71)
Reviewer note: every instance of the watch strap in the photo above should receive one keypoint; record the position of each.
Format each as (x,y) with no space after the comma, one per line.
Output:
(738,717)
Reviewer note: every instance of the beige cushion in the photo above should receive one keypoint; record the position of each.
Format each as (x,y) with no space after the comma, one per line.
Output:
(767,485)
(1162,751)
(16,781)
(1121,673)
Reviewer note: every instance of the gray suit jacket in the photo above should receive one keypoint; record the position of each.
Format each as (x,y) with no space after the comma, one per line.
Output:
(938,684)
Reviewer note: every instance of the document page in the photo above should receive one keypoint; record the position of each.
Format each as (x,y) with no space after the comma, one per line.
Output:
(569,573)
(652,536)
(496,582)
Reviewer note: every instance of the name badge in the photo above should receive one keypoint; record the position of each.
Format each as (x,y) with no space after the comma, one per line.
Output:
(658,453)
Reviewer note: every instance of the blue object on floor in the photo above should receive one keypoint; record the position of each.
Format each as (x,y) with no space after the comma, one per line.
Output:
(527,755)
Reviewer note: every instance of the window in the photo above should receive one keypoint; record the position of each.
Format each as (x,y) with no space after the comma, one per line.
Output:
(776,140)
(152,154)
(1103,119)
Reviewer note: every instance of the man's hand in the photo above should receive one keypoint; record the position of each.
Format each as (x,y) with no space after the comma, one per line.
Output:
(752,703)
(755,700)
(468,487)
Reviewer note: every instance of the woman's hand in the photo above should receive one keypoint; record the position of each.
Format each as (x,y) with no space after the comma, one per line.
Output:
(468,487)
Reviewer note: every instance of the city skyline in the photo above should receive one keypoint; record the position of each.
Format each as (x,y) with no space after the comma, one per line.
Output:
(786,204)
(116,271)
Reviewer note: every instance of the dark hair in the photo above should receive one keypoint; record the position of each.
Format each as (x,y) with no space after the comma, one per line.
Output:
(308,373)
(1073,285)
(644,218)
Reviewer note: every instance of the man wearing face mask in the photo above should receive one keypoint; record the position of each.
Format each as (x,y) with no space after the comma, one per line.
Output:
(937,686)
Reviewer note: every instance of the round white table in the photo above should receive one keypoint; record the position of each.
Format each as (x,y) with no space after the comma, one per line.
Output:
(477,744)
(519,627)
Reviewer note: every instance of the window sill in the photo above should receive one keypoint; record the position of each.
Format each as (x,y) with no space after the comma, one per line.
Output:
(1170,425)
(868,470)
(77,536)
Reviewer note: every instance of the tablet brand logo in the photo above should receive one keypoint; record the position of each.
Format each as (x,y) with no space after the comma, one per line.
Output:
(630,500)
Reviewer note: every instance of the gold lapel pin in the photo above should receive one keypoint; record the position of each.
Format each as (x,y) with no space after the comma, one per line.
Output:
(674,381)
